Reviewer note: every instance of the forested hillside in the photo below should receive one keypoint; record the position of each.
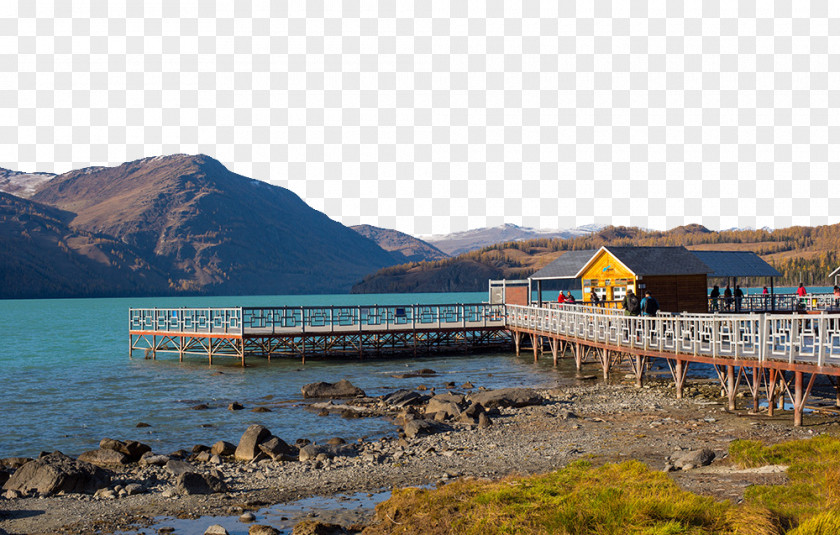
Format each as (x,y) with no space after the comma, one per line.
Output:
(801,254)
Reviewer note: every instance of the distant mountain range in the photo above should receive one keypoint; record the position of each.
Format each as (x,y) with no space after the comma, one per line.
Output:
(801,254)
(403,247)
(472,240)
(170,225)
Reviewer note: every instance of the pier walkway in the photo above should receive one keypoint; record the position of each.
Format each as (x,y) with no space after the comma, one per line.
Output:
(317,331)
(771,353)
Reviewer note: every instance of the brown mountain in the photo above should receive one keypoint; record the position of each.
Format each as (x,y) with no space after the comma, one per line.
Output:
(42,256)
(801,254)
(403,248)
(211,230)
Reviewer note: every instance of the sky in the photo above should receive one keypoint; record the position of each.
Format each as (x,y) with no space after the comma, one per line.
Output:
(437,117)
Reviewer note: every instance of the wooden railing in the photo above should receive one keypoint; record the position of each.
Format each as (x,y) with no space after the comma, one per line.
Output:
(793,338)
(186,320)
(269,320)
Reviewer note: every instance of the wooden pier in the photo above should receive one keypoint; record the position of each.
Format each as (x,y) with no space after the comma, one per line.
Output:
(329,331)
(770,353)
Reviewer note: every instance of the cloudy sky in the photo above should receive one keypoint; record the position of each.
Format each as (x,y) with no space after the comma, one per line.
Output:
(435,117)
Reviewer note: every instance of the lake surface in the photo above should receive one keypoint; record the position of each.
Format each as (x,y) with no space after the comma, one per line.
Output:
(66,379)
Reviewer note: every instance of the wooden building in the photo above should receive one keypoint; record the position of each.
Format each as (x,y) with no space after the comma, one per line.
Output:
(673,275)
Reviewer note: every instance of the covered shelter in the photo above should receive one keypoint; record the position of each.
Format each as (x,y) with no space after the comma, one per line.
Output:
(738,264)
(565,268)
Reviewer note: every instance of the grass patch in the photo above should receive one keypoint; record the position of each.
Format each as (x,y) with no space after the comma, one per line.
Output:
(630,498)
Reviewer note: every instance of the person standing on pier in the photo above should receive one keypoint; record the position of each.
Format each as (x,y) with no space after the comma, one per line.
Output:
(631,305)
(570,299)
(714,297)
(649,305)
(727,297)
(739,296)
(801,292)
(594,300)
(561,298)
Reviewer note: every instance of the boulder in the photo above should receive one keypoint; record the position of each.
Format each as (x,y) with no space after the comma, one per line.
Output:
(417,428)
(248,447)
(474,409)
(215,529)
(223,448)
(277,449)
(235,406)
(14,463)
(424,372)
(484,421)
(258,529)
(56,472)
(105,458)
(176,468)
(437,405)
(260,409)
(341,389)
(151,459)
(194,483)
(131,448)
(403,398)
(457,399)
(507,397)
(692,459)
(308,453)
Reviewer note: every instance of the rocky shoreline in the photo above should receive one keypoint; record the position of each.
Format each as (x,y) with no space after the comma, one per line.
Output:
(464,432)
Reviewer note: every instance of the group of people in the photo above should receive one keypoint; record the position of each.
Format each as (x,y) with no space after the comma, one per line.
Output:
(729,297)
(647,306)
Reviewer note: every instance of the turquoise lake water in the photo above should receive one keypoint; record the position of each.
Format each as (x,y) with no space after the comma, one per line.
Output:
(66,379)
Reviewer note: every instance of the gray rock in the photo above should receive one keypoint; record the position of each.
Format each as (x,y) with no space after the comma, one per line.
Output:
(484,421)
(105,494)
(692,459)
(131,448)
(308,453)
(14,463)
(193,483)
(56,472)
(404,398)
(215,529)
(223,448)
(203,457)
(277,449)
(341,389)
(507,397)
(176,468)
(474,409)
(424,372)
(235,406)
(417,428)
(248,447)
(151,459)
(134,488)
(247,517)
(105,458)
(438,405)
(457,399)
(258,529)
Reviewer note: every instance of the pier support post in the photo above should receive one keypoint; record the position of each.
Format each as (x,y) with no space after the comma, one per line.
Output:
(797,400)
(535,345)
(730,386)
(680,372)
(554,343)
(578,356)
(640,370)
(771,392)
(605,362)
(517,339)
(754,388)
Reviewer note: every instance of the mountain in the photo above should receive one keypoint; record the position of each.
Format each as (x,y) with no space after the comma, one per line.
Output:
(403,247)
(806,254)
(205,229)
(22,184)
(471,240)
(42,256)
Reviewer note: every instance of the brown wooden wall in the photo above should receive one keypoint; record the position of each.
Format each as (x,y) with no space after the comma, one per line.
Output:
(516,295)
(677,293)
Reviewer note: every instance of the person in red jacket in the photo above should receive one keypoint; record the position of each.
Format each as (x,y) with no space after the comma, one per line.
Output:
(561,298)
(801,291)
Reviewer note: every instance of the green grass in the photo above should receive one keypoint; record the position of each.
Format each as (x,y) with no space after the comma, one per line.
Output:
(630,498)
